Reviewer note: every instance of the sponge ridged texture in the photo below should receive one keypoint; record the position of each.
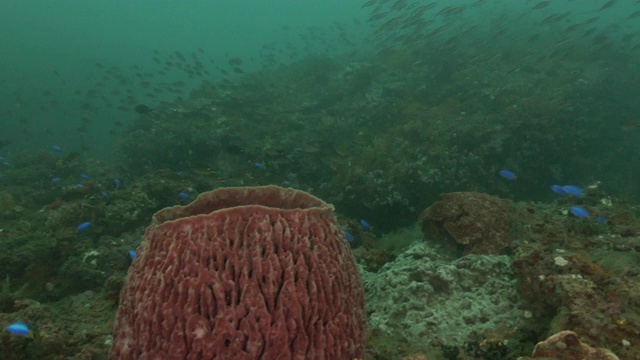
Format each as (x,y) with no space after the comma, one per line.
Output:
(243,273)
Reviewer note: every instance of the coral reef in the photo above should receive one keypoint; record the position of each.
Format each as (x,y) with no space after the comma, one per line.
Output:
(441,104)
(575,275)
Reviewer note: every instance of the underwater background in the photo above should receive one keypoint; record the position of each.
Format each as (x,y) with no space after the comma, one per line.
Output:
(481,156)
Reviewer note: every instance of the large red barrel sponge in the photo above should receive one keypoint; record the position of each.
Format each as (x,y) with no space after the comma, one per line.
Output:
(242,273)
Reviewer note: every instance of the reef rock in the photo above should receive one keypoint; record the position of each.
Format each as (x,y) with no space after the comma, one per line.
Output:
(430,299)
(566,345)
(477,221)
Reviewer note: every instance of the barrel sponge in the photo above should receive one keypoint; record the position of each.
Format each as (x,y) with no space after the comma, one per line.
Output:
(242,273)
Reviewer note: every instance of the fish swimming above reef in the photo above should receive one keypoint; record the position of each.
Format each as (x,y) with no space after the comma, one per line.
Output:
(572,190)
(19,328)
(578,211)
(235,61)
(348,236)
(634,15)
(142,109)
(509,175)
(84,226)
(541,5)
(609,4)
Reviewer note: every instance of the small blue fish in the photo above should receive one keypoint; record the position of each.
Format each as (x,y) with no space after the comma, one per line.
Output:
(56,148)
(601,219)
(79,186)
(509,175)
(85,176)
(132,254)
(104,194)
(365,225)
(558,189)
(19,328)
(572,190)
(179,173)
(259,165)
(184,196)
(56,180)
(348,235)
(578,211)
(117,183)
(84,226)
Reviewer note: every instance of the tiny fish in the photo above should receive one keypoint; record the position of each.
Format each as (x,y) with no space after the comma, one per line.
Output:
(56,180)
(19,328)
(132,254)
(509,175)
(104,194)
(634,15)
(235,61)
(79,186)
(85,176)
(578,211)
(608,5)
(179,173)
(259,165)
(184,195)
(142,109)
(601,219)
(572,190)
(558,189)
(348,235)
(592,20)
(369,3)
(541,5)
(365,225)
(56,148)
(84,226)
(117,183)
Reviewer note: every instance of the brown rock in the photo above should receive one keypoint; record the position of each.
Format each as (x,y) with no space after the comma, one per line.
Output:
(478,221)
(566,345)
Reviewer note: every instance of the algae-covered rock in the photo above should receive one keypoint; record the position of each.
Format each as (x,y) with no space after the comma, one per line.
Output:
(431,300)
